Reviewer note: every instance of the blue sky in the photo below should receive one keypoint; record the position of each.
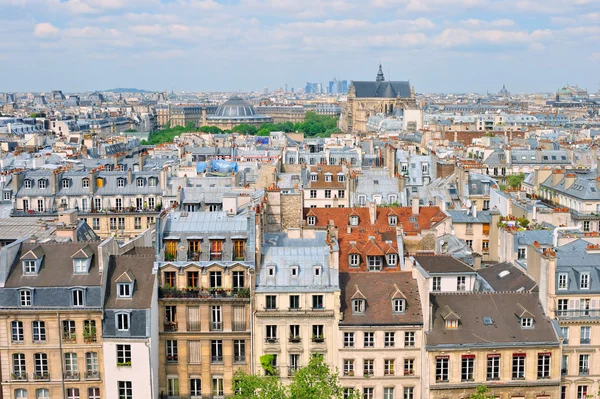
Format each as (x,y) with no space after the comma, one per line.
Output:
(209,45)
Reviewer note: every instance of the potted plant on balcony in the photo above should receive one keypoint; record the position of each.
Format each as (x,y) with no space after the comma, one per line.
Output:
(243,292)
(40,376)
(318,338)
(294,338)
(169,257)
(89,334)
(350,373)
(124,364)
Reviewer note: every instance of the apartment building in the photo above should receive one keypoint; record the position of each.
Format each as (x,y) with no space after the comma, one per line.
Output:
(380,338)
(297,301)
(478,230)
(442,273)
(570,293)
(326,187)
(206,279)
(50,336)
(130,326)
(501,340)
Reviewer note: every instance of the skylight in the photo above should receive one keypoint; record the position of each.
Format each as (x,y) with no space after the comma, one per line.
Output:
(488,321)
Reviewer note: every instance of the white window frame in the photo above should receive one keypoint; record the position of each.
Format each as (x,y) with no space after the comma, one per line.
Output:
(123,321)
(398,305)
(563,281)
(311,220)
(78,297)
(526,322)
(26,297)
(124,290)
(392,259)
(358,306)
(353,220)
(66,183)
(120,182)
(584,281)
(354,260)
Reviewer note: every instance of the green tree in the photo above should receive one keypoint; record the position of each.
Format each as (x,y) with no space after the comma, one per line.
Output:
(250,386)
(514,181)
(482,393)
(245,128)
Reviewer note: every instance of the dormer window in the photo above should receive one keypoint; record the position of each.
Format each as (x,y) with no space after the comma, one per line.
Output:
(85,183)
(375,263)
(354,260)
(341,178)
(452,324)
(66,183)
(317,271)
(392,199)
(399,305)
(77,297)
(122,321)
(120,182)
(100,182)
(124,290)
(42,183)
(140,182)
(152,182)
(81,265)
(294,271)
(313,177)
(25,297)
(392,260)
(27,183)
(311,220)
(393,220)
(526,322)
(328,178)
(353,220)
(271,271)
(358,306)
(29,267)
(584,281)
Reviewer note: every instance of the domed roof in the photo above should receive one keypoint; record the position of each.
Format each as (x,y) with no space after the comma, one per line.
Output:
(235,107)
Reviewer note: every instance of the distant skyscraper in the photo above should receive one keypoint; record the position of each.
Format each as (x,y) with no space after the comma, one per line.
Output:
(344,86)
(333,86)
(319,88)
(285,88)
(266,90)
(313,88)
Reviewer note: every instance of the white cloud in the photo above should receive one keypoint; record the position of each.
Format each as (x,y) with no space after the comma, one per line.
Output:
(46,30)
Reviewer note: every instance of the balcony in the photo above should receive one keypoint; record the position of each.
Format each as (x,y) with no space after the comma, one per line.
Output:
(573,314)
(167,292)
(239,359)
(193,256)
(238,326)
(92,375)
(584,341)
(41,376)
(216,359)
(543,376)
(409,372)
(170,326)
(584,371)
(19,376)
(295,340)
(69,337)
(271,340)
(292,370)
(216,326)
(193,325)
(563,371)
(318,339)
(72,375)
(349,373)
(368,373)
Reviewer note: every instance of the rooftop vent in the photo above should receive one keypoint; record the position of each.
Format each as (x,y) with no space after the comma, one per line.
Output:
(503,273)
(488,321)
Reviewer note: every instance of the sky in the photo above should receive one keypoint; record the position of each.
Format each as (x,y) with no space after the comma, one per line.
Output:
(451,46)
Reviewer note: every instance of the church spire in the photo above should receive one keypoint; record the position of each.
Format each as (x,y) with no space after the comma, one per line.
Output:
(380,77)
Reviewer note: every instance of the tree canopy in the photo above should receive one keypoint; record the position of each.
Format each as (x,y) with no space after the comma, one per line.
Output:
(482,393)
(316,380)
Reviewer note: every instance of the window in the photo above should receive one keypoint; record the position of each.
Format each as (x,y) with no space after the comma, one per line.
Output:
(389,367)
(271,333)
(120,183)
(409,366)
(98,204)
(215,279)
(467,366)
(38,330)
(485,245)
(565,333)
(119,204)
(348,340)
(584,337)
(170,279)
(66,183)
(96,223)
(353,220)
(40,363)
(91,365)
(77,296)
(341,194)
(313,193)
(19,368)
(389,339)
(563,279)
(584,281)
(543,365)
(369,340)
(125,390)
(318,333)
(317,301)
(493,367)
(217,386)
(526,322)
(93,393)
(294,271)
(327,193)
(311,220)
(582,391)
(441,369)
(239,249)
(313,177)
(80,266)
(409,393)
(393,220)
(137,223)
(28,183)
(26,205)
(123,355)
(348,393)
(17,331)
(586,225)
(239,351)
(362,200)
(349,367)
(122,321)
(172,352)
(392,260)
(73,393)
(562,307)
(461,283)
(358,306)
(216,323)
(398,305)
(518,366)
(375,263)
(124,290)
(216,250)
(437,284)
(271,302)
(71,366)
(25,297)
(44,393)
(409,339)
(584,364)
(216,351)
(294,302)
(68,331)
(354,260)
(29,267)
(469,244)
(368,367)
(151,203)
(40,205)
(195,387)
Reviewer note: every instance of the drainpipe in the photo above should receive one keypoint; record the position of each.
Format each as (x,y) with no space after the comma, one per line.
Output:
(62,366)
(252,312)
(151,373)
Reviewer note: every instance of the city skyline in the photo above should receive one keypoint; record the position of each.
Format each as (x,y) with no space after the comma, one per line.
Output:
(451,46)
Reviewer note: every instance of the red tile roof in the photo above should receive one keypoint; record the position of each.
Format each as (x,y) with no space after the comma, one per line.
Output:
(375,239)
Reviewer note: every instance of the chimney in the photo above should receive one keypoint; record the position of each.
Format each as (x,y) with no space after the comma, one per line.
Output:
(474,210)
(54,181)
(557,176)
(569,180)
(92,178)
(18,176)
(414,202)
(141,159)
(129,176)
(373,212)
